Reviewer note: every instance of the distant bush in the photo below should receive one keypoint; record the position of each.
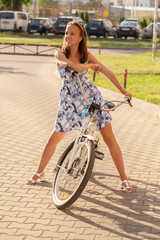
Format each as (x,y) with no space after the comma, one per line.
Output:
(145,22)
(82,15)
(121,19)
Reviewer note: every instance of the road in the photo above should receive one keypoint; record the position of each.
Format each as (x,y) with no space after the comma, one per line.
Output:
(120,51)
(29,95)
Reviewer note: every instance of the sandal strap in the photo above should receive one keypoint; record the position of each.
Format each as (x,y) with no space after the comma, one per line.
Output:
(125,181)
(38,174)
(127,184)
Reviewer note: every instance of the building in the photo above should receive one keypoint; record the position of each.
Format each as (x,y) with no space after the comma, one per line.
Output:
(117,12)
(138,3)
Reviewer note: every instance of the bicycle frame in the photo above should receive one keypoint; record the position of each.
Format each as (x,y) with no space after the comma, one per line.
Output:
(80,135)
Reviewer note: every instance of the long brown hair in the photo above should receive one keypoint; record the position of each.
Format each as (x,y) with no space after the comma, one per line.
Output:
(82,45)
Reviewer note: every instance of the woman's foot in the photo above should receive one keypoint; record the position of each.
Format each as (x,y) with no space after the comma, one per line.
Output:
(35,177)
(125,186)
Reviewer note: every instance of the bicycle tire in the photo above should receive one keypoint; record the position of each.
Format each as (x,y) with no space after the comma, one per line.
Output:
(62,202)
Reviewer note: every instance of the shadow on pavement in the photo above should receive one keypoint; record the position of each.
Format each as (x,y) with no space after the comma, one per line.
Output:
(130,211)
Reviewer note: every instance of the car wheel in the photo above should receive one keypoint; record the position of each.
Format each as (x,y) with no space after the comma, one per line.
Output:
(105,35)
(20,29)
(137,36)
(115,35)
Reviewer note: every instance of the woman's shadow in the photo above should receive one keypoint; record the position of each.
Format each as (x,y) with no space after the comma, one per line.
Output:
(133,212)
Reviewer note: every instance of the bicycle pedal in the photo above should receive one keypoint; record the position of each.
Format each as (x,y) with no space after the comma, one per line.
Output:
(99,155)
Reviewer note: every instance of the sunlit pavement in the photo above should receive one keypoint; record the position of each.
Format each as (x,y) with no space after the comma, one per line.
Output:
(29,94)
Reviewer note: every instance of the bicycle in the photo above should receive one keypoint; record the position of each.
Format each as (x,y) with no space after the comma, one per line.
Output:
(75,165)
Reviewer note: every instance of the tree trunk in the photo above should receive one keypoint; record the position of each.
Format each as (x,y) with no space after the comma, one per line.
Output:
(17,6)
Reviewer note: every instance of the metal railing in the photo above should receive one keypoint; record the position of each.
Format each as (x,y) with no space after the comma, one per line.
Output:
(28,49)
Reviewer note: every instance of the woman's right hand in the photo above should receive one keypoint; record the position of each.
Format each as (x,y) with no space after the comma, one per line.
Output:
(96,67)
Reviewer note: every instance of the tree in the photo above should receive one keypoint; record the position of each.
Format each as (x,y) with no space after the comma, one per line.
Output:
(86,17)
(16,5)
(82,15)
(48,3)
(76,14)
(121,19)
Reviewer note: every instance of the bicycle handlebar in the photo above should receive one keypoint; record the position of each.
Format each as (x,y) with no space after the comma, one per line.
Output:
(75,74)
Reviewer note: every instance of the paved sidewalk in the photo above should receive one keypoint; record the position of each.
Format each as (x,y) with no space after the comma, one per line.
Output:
(29,93)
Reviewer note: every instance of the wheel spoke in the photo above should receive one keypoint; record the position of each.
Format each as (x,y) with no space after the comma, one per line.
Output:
(68,181)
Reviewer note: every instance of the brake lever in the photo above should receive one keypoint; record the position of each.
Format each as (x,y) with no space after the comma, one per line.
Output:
(129,102)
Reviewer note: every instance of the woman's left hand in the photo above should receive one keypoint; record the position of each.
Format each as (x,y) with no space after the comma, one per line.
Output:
(128,95)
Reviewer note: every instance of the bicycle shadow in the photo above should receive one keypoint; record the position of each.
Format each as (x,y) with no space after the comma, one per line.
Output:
(133,218)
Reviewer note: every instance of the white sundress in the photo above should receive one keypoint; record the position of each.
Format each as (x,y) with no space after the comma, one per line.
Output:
(71,104)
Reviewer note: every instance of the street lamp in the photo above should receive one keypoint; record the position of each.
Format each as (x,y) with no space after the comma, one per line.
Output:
(154,45)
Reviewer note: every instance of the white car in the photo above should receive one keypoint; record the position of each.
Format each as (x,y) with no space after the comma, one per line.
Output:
(13,21)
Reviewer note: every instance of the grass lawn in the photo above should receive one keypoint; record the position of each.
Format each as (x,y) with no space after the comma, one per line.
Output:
(143,79)
(56,40)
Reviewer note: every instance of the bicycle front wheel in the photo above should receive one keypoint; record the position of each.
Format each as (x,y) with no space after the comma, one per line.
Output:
(69,183)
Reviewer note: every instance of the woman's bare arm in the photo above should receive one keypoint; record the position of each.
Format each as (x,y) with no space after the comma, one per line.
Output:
(79,67)
(107,72)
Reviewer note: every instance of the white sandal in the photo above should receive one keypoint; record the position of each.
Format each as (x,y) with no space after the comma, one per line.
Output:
(41,177)
(125,188)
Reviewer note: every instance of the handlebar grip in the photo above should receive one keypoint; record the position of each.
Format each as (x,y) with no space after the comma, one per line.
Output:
(71,71)
(129,102)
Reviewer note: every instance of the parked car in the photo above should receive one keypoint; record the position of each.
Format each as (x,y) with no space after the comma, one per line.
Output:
(132,20)
(101,27)
(130,29)
(61,23)
(13,21)
(40,25)
(54,20)
(148,32)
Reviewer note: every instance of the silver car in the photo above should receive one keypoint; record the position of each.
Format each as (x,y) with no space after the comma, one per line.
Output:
(148,32)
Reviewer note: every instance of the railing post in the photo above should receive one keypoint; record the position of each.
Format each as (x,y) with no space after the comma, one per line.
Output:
(94,76)
(100,50)
(125,78)
(14,48)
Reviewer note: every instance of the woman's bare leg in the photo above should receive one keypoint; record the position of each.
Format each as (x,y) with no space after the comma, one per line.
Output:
(115,151)
(48,152)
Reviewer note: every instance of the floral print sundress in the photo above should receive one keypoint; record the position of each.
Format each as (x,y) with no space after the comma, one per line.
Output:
(71,104)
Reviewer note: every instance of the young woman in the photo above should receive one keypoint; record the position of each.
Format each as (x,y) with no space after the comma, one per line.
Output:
(75,55)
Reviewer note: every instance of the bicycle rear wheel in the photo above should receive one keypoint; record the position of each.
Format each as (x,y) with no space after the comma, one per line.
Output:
(69,184)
